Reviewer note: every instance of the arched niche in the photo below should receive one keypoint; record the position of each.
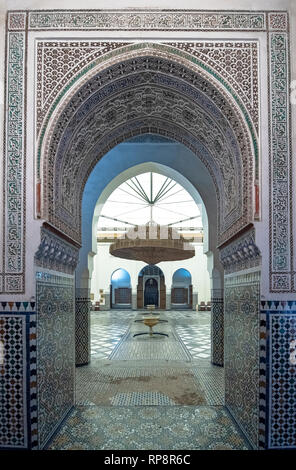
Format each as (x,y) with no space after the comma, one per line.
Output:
(151,278)
(120,289)
(181,291)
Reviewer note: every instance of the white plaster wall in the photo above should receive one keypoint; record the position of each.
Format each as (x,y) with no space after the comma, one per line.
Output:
(105,264)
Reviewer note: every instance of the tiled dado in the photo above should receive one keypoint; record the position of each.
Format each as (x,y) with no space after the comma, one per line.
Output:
(37,371)
(241,358)
(82,326)
(55,350)
(18,420)
(217,330)
(280,319)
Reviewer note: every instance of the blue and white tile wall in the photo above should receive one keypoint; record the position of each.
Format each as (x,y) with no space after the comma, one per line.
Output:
(82,326)
(55,350)
(217,331)
(241,359)
(17,375)
(281,373)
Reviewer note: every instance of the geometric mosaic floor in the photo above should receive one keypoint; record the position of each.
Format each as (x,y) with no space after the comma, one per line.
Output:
(123,383)
(137,346)
(101,345)
(149,371)
(149,428)
(149,393)
(107,328)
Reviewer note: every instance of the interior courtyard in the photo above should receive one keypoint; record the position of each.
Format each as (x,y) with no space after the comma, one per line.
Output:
(147,266)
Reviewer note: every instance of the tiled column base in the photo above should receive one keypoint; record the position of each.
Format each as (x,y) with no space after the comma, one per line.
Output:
(242,351)
(194,301)
(217,325)
(168,301)
(134,300)
(107,302)
(82,330)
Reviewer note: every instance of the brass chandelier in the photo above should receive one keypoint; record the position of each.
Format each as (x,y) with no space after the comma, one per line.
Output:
(152,243)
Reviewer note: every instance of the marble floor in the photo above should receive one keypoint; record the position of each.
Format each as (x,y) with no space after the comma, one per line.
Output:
(107,328)
(161,386)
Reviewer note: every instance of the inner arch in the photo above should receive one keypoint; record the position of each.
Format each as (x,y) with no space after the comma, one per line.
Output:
(130,159)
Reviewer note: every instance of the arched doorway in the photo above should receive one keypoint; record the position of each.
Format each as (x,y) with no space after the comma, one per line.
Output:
(151,292)
(206,97)
(151,289)
(181,293)
(264,40)
(120,289)
(186,104)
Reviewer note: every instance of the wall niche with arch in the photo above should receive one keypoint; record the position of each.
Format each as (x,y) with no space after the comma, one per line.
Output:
(151,288)
(120,290)
(181,292)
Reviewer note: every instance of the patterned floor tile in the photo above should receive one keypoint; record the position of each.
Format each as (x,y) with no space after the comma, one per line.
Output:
(107,329)
(149,427)
(211,381)
(193,328)
(100,382)
(188,343)
(196,339)
(134,379)
(141,398)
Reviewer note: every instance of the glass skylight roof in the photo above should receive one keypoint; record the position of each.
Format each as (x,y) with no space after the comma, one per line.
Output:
(146,196)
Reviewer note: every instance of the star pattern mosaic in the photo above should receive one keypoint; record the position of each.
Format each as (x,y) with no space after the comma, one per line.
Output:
(149,427)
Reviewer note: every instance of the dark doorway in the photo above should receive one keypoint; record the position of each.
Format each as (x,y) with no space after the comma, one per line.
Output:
(151,292)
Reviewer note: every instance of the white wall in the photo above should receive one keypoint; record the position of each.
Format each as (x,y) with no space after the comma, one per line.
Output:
(105,264)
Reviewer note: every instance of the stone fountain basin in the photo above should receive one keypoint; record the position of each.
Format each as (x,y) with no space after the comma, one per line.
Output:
(150,321)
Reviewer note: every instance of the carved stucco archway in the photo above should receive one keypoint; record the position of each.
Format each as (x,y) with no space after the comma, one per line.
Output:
(144,92)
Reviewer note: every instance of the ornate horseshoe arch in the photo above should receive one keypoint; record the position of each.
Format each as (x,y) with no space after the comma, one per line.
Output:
(148,88)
